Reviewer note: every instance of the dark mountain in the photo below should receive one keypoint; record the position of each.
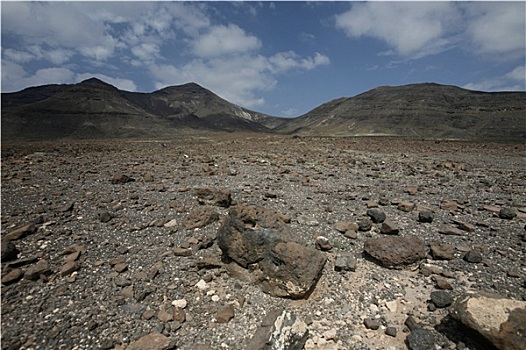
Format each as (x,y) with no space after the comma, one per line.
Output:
(95,109)
(419,110)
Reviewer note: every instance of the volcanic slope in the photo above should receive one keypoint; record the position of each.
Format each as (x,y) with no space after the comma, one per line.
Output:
(95,109)
(428,110)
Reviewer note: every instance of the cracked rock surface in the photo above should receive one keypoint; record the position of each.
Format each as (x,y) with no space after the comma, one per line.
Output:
(114,244)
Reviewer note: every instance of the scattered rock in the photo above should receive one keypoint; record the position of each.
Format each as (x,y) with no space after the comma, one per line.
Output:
(473,256)
(20,232)
(280,330)
(507,213)
(441,298)
(68,268)
(307,220)
(105,216)
(344,226)
(371,323)
(200,217)
(406,206)
(9,251)
(322,243)
(225,314)
(40,268)
(426,216)
(119,178)
(442,251)
(285,268)
(345,262)
(214,197)
(376,215)
(395,251)
(365,224)
(450,231)
(389,228)
(12,276)
(390,331)
(502,321)
(152,341)
(420,339)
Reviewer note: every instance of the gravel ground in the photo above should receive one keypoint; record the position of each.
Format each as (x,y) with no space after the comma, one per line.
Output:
(134,266)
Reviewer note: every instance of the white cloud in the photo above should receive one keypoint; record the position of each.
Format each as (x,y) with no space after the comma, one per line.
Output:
(410,28)
(284,61)
(15,78)
(511,81)
(221,40)
(418,29)
(497,28)
(237,79)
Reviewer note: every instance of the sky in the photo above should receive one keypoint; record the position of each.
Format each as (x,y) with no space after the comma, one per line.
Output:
(278,58)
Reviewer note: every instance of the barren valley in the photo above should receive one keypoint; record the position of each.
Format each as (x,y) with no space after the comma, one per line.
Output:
(211,240)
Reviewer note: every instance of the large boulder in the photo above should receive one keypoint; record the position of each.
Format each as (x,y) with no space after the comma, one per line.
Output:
(395,251)
(500,320)
(258,239)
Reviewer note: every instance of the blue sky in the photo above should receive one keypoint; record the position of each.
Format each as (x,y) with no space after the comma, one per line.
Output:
(280,58)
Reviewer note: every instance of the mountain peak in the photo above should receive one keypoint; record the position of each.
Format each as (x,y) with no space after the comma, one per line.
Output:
(96,82)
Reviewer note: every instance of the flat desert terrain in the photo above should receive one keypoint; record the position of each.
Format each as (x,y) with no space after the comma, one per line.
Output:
(120,243)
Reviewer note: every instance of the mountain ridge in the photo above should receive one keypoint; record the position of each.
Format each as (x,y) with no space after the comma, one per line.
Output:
(96,109)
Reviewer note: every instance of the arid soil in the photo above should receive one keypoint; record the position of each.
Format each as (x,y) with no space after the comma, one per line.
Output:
(106,250)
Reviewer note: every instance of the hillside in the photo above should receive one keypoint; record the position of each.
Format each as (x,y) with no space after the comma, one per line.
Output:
(421,111)
(94,109)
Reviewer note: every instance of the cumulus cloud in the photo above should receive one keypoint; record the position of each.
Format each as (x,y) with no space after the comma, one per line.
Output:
(410,28)
(238,79)
(513,80)
(169,42)
(497,28)
(221,40)
(418,29)
(15,78)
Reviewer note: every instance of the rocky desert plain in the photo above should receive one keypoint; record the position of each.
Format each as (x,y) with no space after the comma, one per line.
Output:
(256,241)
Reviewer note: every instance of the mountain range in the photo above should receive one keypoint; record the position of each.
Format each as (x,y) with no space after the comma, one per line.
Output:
(93,109)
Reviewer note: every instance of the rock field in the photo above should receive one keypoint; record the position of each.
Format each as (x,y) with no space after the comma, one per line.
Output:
(253,241)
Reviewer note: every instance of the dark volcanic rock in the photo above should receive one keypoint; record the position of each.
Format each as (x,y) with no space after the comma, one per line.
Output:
(500,320)
(473,256)
(395,251)
(376,215)
(507,213)
(9,251)
(441,298)
(426,216)
(287,269)
(421,339)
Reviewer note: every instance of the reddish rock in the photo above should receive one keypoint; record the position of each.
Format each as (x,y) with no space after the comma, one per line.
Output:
(395,251)
(200,217)
(152,341)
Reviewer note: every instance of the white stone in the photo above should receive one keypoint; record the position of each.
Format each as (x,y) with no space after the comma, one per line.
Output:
(392,305)
(180,303)
(215,298)
(201,285)
(171,223)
